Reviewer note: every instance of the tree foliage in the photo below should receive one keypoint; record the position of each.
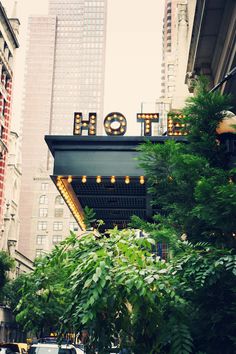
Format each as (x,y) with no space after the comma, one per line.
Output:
(39,298)
(6,264)
(116,287)
(192,183)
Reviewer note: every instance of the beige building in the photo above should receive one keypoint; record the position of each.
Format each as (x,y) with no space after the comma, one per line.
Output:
(66,58)
(10,231)
(177,30)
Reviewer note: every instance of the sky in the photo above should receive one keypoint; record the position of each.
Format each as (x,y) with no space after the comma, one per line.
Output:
(133,55)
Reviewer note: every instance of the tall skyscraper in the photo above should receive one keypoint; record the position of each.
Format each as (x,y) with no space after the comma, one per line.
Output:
(177,29)
(65,69)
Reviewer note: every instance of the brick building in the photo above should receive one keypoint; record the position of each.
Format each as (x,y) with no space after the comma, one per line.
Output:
(8,45)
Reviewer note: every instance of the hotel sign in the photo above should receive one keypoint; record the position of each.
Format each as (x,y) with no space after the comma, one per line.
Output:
(115,123)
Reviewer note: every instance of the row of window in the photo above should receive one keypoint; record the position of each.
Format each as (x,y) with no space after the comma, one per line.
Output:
(94,15)
(94,22)
(41,239)
(43,199)
(58,212)
(94,3)
(57,226)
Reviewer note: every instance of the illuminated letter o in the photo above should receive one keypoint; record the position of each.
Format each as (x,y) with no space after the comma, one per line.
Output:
(115,124)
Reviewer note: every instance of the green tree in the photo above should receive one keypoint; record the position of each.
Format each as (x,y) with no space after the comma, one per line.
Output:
(204,112)
(43,294)
(194,189)
(89,217)
(113,285)
(6,264)
(190,183)
(122,293)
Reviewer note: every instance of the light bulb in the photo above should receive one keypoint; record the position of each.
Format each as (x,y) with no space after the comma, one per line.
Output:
(127,179)
(84,179)
(99,179)
(69,179)
(113,179)
(141,180)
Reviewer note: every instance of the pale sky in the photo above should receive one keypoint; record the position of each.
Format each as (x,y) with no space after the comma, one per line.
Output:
(133,60)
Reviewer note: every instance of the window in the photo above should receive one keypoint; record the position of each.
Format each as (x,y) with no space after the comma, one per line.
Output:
(3,106)
(73,226)
(170,68)
(1,131)
(44,186)
(171,77)
(38,253)
(57,226)
(43,199)
(58,213)
(59,200)
(40,240)
(56,239)
(43,212)
(42,225)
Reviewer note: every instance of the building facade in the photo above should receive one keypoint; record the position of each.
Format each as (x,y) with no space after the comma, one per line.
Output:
(177,29)
(8,45)
(212,50)
(66,58)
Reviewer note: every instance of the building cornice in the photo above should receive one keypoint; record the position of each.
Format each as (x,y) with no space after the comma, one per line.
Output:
(9,26)
(20,257)
(19,173)
(199,12)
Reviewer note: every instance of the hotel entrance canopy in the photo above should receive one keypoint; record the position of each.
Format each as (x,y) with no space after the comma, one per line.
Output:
(102,172)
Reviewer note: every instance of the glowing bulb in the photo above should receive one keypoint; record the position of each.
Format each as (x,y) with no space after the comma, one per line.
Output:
(99,179)
(84,179)
(113,179)
(127,180)
(141,180)
(69,179)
